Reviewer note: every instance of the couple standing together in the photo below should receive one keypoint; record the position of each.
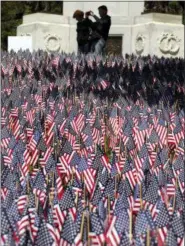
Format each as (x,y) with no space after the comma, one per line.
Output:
(92,36)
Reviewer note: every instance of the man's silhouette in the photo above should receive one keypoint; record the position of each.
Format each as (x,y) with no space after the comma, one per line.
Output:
(100,29)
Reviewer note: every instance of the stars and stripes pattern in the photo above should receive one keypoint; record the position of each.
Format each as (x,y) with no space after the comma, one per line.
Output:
(90,153)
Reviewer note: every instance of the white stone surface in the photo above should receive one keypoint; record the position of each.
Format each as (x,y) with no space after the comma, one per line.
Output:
(159,39)
(159,34)
(156,17)
(49,32)
(16,43)
(121,8)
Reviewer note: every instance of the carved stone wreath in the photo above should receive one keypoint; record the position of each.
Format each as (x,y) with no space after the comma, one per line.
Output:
(52,42)
(169,43)
(140,43)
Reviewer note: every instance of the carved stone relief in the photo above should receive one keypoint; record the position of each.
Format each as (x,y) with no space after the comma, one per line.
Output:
(52,42)
(140,43)
(169,43)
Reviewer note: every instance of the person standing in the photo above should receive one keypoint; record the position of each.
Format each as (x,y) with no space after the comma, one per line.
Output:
(83,31)
(100,29)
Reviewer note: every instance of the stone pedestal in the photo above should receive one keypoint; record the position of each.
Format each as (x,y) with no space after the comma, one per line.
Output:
(155,34)
(49,32)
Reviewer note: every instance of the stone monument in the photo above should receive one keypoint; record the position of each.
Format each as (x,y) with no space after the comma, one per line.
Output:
(131,32)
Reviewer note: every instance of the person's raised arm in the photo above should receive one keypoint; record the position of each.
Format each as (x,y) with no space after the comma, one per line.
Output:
(90,13)
(95,17)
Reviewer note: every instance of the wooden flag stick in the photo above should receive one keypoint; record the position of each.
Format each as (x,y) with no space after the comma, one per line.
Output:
(17,185)
(72,178)
(174,200)
(83,95)
(82,225)
(130,227)
(50,199)
(176,104)
(96,184)
(84,190)
(45,126)
(95,148)
(54,142)
(105,140)
(119,150)
(47,179)
(76,199)
(56,150)
(108,205)
(126,153)
(148,237)
(67,93)
(162,105)
(89,206)
(172,156)
(88,230)
(36,202)
(28,187)
(75,97)
(53,177)
(115,192)
(141,201)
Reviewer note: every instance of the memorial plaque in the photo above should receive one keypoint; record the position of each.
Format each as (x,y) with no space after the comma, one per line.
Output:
(114,45)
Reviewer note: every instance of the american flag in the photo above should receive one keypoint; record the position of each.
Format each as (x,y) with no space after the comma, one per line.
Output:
(43,236)
(97,232)
(69,231)
(86,141)
(162,221)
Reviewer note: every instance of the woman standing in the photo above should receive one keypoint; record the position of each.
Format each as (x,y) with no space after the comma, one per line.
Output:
(83,31)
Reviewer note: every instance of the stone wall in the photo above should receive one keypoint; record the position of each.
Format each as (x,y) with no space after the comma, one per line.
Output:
(126,9)
(155,34)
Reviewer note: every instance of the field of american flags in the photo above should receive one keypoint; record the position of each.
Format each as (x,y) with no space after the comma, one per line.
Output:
(92,150)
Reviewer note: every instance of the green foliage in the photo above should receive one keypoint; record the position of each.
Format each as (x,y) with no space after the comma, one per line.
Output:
(12,13)
(174,7)
(167,7)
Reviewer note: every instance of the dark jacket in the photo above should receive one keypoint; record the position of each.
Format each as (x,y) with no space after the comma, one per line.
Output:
(102,26)
(83,31)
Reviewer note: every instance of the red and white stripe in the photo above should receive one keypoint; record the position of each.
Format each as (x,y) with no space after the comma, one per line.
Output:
(21,203)
(89,178)
(170,189)
(106,163)
(162,133)
(54,233)
(112,237)
(96,240)
(60,216)
(23,225)
(60,188)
